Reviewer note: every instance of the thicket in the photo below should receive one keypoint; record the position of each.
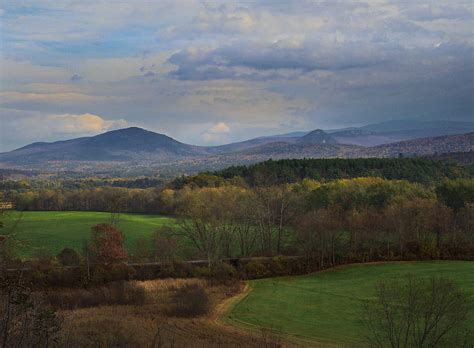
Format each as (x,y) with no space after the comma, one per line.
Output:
(191,300)
(115,293)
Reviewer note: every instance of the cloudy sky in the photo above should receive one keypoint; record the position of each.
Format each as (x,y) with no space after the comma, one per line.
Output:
(208,72)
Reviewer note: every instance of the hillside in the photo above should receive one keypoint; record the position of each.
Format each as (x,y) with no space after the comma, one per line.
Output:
(317,136)
(426,146)
(121,145)
(138,151)
(399,130)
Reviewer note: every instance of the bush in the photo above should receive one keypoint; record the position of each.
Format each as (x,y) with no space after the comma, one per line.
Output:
(117,293)
(277,266)
(191,300)
(69,257)
(109,273)
(223,272)
(255,269)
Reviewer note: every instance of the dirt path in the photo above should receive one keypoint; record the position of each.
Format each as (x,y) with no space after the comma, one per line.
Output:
(225,306)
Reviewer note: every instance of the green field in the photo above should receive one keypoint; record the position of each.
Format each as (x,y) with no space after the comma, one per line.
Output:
(325,307)
(53,231)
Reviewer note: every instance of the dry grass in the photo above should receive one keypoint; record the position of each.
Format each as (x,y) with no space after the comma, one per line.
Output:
(149,326)
(168,284)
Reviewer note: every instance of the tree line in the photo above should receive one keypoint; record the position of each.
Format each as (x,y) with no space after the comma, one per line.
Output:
(292,170)
(331,221)
(347,220)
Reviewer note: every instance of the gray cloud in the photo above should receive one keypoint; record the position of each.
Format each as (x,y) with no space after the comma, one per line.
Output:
(271,61)
(181,67)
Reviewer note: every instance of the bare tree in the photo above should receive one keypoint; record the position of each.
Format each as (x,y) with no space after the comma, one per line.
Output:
(275,207)
(25,321)
(202,224)
(418,313)
(319,232)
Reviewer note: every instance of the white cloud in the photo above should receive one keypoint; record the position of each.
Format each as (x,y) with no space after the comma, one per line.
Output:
(82,124)
(19,127)
(219,128)
(217,133)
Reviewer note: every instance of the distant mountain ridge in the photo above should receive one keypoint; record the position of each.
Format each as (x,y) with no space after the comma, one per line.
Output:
(118,145)
(318,136)
(141,149)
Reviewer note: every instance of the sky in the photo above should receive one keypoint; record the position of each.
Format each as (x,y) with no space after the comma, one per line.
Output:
(210,72)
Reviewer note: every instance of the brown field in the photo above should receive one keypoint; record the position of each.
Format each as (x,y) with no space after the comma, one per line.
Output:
(151,325)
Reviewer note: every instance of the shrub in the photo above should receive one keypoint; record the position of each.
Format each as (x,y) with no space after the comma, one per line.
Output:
(108,273)
(69,257)
(255,269)
(223,273)
(191,300)
(117,293)
(276,266)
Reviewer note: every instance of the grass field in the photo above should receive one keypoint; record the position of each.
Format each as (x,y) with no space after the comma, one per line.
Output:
(325,307)
(53,231)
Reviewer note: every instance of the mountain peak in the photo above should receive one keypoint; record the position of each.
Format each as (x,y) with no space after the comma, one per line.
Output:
(317,136)
(129,130)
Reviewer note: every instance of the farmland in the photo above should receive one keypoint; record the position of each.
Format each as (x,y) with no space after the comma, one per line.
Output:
(325,307)
(52,231)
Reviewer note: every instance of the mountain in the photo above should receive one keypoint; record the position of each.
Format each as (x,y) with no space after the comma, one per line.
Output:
(408,125)
(400,130)
(137,150)
(248,144)
(426,146)
(120,145)
(317,136)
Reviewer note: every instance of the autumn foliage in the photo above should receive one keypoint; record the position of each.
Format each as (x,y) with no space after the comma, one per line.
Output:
(107,244)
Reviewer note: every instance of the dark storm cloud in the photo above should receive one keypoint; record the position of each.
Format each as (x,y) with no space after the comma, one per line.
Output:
(251,61)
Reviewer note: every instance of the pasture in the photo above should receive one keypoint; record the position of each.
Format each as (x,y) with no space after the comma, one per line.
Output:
(324,307)
(52,231)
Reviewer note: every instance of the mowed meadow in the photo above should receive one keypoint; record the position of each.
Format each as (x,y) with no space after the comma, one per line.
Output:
(325,308)
(51,231)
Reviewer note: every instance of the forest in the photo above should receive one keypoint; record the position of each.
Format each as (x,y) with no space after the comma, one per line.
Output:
(292,170)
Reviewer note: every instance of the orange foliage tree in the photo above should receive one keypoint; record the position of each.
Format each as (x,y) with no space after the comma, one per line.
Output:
(107,244)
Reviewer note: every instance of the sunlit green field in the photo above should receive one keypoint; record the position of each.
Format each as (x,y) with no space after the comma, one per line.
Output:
(50,232)
(325,307)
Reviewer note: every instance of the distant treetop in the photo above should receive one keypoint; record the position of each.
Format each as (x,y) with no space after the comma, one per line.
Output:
(293,170)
